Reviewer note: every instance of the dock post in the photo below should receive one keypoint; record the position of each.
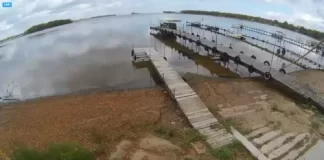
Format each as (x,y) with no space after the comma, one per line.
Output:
(216,40)
(183,26)
(133,52)
(174,92)
(164,51)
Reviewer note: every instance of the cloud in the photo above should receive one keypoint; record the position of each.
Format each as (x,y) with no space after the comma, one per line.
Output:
(307,13)
(83,6)
(26,13)
(114,4)
(5,26)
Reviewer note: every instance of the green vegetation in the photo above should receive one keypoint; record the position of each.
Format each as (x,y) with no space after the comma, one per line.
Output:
(185,136)
(309,32)
(231,151)
(47,25)
(63,151)
(170,12)
(11,38)
(164,132)
(191,135)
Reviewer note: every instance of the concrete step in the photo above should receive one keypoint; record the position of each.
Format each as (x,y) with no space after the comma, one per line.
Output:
(292,155)
(267,148)
(266,137)
(286,147)
(258,132)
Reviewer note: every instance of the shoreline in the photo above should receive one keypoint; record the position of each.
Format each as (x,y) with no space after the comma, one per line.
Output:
(81,93)
(249,20)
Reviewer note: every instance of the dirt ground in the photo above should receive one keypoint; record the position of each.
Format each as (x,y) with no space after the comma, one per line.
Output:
(249,103)
(105,123)
(313,78)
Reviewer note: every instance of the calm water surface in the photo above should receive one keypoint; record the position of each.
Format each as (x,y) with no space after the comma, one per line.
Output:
(96,53)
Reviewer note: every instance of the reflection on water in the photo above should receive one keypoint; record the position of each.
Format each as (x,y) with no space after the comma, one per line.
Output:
(96,53)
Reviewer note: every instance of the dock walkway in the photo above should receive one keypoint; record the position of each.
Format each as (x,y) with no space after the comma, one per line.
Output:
(194,109)
(288,81)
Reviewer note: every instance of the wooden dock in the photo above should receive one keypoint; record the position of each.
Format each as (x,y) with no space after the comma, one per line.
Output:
(193,108)
(289,82)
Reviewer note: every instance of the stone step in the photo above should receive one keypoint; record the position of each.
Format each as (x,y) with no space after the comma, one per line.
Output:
(292,155)
(267,148)
(248,145)
(266,137)
(315,152)
(286,147)
(258,132)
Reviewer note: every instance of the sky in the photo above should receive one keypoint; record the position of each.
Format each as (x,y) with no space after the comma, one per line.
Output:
(26,13)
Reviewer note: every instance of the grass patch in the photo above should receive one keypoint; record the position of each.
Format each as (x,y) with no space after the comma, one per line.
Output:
(59,151)
(231,151)
(185,136)
(3,156)
(315,125)
(164,132)
(191,135)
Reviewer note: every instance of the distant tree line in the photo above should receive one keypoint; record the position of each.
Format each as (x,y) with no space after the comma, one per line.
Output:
(169,12)
(11,37)
(309,32)
(47,25)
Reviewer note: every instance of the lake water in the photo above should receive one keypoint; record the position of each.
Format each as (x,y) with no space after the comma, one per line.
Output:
(96,53)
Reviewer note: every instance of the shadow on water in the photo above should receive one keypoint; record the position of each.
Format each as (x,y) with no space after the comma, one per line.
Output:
(200,60)
(148,64)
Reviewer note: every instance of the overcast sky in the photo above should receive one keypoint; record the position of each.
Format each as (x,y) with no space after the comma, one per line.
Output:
(25,13)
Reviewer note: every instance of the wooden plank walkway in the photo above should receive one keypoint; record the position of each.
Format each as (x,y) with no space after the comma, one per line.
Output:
(290,82)
(194,109)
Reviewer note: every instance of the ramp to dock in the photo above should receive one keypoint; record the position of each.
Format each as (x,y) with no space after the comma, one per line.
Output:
(288,81)
(193,108)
